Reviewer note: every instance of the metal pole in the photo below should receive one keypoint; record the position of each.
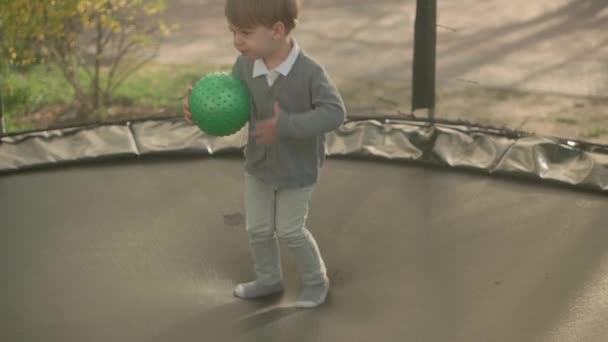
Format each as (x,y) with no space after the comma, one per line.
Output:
(425,38)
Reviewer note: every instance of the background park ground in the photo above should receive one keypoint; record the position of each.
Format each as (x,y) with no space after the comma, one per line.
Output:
(538,66)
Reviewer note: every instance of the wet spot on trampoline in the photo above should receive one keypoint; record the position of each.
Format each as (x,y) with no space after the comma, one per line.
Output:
(234,220)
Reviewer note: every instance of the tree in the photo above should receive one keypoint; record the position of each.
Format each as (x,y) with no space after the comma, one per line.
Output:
(96,43)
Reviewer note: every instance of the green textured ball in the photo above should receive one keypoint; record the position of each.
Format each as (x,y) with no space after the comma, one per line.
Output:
(220,104)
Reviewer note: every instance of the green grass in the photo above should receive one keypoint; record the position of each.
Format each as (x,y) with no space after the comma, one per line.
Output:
(567,121)
(153,86)
(595,133)
(160,85)
(27,91)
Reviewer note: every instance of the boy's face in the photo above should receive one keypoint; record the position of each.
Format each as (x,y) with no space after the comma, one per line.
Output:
(257,42)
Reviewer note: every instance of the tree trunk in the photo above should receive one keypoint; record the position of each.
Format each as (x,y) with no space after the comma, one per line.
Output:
(98,51)
(2,128)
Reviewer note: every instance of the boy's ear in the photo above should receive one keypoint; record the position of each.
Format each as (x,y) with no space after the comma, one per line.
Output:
(279,30)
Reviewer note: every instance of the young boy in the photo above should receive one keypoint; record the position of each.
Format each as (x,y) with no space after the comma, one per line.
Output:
(294,103)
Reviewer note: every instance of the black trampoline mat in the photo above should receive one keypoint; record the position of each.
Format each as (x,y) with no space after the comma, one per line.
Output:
(150,251)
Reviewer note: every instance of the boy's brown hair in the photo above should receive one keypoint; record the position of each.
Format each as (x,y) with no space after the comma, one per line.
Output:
(250,13)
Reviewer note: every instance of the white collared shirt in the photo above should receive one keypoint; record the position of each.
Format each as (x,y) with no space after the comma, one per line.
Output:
(260,68)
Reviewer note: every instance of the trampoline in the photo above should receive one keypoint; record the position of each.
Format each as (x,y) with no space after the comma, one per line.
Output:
(134,232)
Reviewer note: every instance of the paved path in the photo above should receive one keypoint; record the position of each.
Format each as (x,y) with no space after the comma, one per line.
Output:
(547,45)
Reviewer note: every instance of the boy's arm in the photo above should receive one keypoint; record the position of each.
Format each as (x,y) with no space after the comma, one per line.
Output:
(328,111)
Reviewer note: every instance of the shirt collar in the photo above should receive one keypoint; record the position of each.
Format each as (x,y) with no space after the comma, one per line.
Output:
(259,67)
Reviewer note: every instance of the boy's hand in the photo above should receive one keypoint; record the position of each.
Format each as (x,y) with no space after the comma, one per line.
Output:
(265,131)
(186,104)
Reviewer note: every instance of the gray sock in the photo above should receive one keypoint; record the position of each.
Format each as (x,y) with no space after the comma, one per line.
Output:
(254,289)
(313,295)
(312,270)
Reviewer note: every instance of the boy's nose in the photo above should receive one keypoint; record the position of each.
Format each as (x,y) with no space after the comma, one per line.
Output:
(238,41)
